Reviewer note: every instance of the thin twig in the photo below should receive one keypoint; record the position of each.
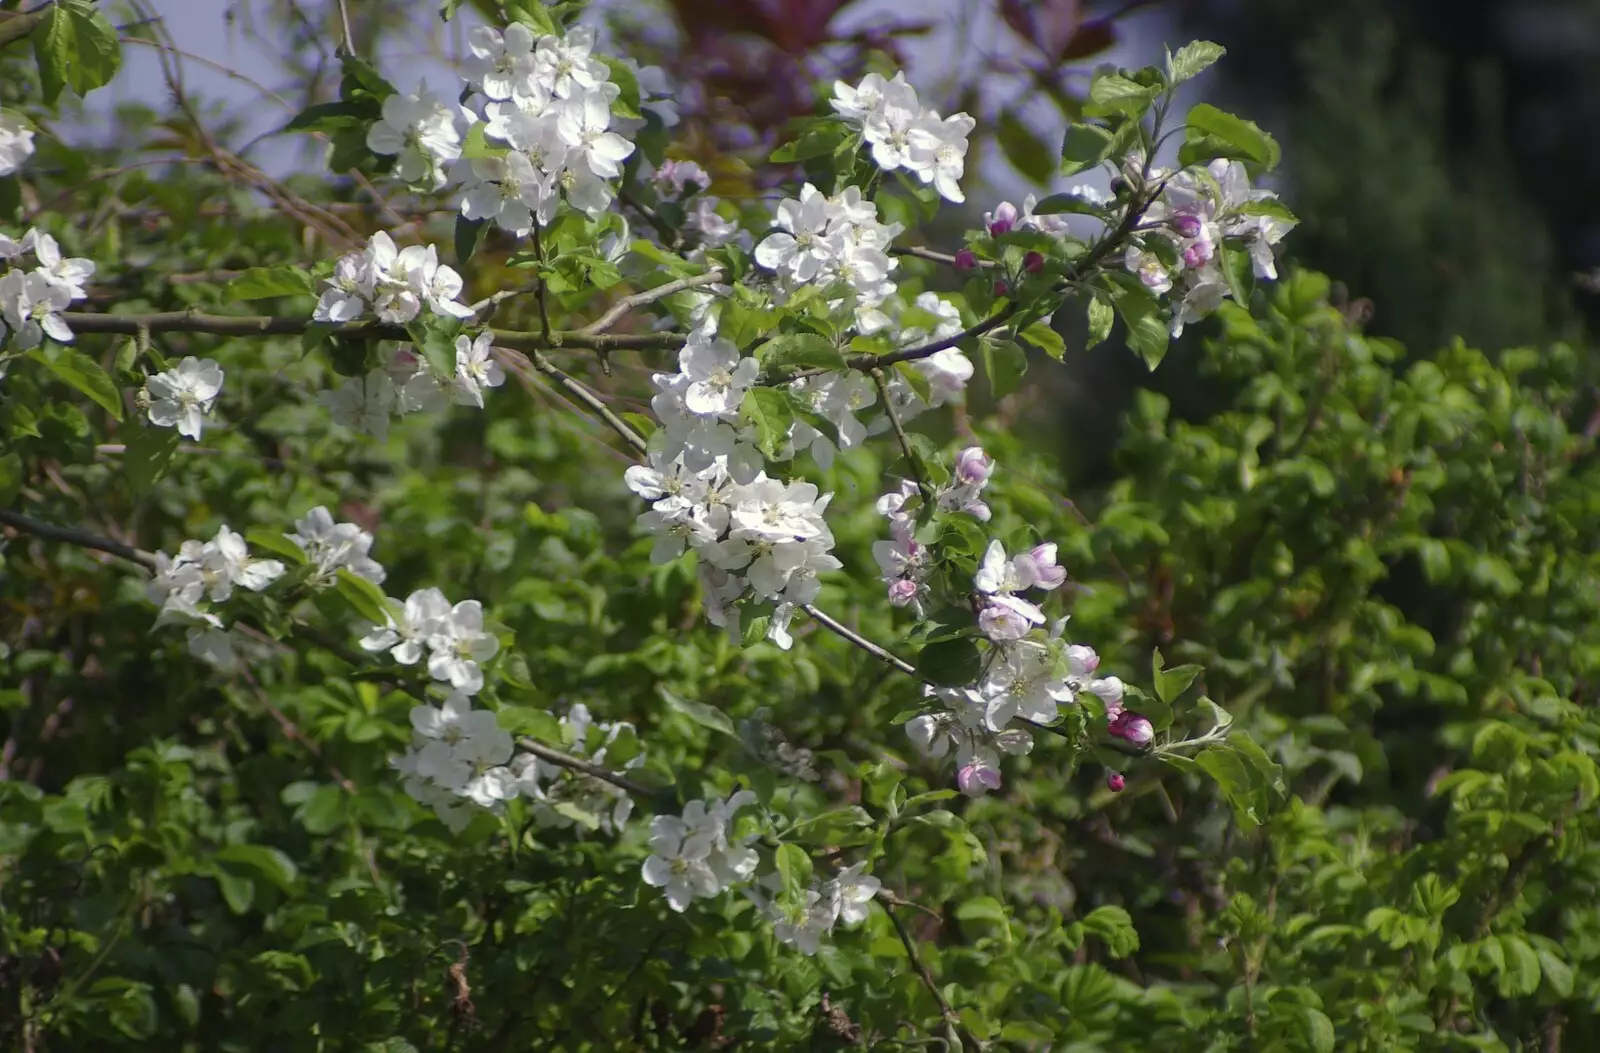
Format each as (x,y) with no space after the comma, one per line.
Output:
(900,432)
(838,628)
(968,1040)
(620,309)
(278,325)
(349,37)
(563,760)
(579,392)
(932,256)
(81,538)
(544,306)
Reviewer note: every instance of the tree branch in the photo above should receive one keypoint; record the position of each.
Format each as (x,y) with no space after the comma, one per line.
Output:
(81,538)
(968,1040)
(579,393)
(279,325)
(839,629)
(563,760)
(900,433)
(620,309)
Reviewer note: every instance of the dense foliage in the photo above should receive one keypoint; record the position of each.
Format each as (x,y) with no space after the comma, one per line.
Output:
(351,700)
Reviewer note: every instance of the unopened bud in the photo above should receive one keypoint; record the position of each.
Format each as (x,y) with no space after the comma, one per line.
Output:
(902,591)
(966,260)
(999,227)
(1001,288)
(1187,226)
(1033,262)
(1114,781)
(1132,728)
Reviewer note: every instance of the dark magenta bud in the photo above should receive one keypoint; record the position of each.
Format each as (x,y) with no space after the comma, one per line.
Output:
(966,260)
(1033,262)
(1114,781)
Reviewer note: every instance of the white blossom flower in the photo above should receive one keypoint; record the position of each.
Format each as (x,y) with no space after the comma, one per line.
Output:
(718,377)
(31,304)
(476,369)
(362,403)
(408,626)
(422,131)
(939,150)
(501,65)
(181,396)
(331,546)
(459,645)
(16,142)
(226,562)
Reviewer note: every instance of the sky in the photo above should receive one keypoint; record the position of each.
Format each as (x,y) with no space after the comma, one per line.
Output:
(223,60)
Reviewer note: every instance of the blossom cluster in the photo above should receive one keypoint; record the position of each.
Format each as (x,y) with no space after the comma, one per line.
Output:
(821,240)
(842,898)
(905,562)
(331,547)
(408,385)
(696,855)
(758,538)
(904,135)
(1177,248)
(31,301)
(16,142)
(392,282)
(458,758)
(562,797)
(207,571)
(549,101)
(451,637)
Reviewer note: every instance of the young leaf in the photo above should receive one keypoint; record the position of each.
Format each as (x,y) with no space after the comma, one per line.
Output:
(1042,334)
(793,864)
(702,714)
(264,283)
(1113,94)
(1257,145)
(1083,146)
(366,598)
(950,663)
(1192,59)
(768,409)
(1147,329)
(84,373)
(147,455)
(1101,317)
(800,350)
(1024,149)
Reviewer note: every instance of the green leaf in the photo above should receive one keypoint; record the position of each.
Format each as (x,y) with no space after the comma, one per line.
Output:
(1206,120)
(10,196)
(469,232)
(793,864)
(435,337)
(1042,334)
(10,478)
(1170,683)
(1024,149)
(818,139)
(950,663)
(1083,146)
(1520,977)
(277,544)
(1004,363)
(1237,781)
(147,456)
(334,116)
(1319,1031)
(362,81)
(1557,973)
(324,810)
(265,283)
(1057,204)
(799,351)
(82,372)
(1147,327)
(237,891)
(1239,271)
(366,598)
(1101,317)
(702,714)
(983,908)
(1114,925)
(768,409)
(75,47)
(1193,59)
(1112,94)
(626,104)
(270,863)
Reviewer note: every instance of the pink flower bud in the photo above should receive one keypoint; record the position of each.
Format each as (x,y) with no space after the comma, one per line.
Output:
(1193,257)
(975,780)
(973,466)
(966,260)
(1132,728)
(1114,781)
(1001,288)
(1187,226)
(902,591)
(1033,262)
(1003,219)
